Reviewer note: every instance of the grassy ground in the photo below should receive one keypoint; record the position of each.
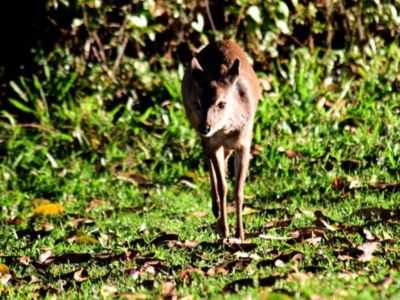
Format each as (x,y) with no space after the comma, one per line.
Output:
(131,214)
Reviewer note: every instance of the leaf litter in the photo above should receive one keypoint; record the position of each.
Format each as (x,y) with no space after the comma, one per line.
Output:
(239,257)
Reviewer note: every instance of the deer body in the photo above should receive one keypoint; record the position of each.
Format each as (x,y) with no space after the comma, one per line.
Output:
(220,93)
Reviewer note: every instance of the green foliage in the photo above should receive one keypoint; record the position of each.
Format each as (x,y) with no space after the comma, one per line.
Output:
(100,120)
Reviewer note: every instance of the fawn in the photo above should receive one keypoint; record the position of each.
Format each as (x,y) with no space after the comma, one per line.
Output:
(220,93)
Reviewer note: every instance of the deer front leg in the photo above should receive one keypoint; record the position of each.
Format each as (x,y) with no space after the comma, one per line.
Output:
(242,157)
(214,188)
(218,166)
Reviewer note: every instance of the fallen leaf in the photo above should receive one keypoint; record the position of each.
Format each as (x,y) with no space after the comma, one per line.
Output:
(217,270)
(275,237)
(325,222)
(187,244)
(49,209)
(185,273)
(108,291)
(81,275)
(239,284)
(44,257)
(137,179)
(384,283)
(347,275)
(384,186)
(15,221)
(48,227)
(34,279)
(281,258)
(168,290)
(367,249)
(291,154)
(256,150)
(165,238)
(303,233)
(338,183)
(5,278)
(95,203)
(78,222)
(4,269)
(350,164)
(71,258)
(238,246)
(368,235)
(277,223)
(24,260)
(250,282)
(377,213)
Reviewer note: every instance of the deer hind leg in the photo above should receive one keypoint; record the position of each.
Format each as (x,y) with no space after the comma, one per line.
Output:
(218,167)
(242,157)
(227,154)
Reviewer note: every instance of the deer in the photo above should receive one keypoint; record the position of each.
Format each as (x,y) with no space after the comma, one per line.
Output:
(220,93)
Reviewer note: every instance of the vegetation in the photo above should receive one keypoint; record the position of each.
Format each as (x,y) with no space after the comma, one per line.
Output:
(103,191)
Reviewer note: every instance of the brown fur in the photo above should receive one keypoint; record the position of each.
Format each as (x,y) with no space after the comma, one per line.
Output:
(220,93)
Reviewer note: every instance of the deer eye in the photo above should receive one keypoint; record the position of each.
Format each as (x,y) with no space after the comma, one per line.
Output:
(221,105)
(197,106)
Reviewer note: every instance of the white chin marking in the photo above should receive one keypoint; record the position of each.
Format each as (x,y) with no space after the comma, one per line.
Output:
(208,134)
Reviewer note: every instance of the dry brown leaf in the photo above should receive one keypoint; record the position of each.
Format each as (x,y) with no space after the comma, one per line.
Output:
(384,283)
(81,275)
(47,226)
(165,237)
(350,164)
(168,290)
(187,244)
(256,150)
(15,221)
(214,271)
(277,223)
(325,222)
(385,186)
(78,222)
(108,291)
(338,183)
(136,179)
(185,273)
(368,235)
(24,260)
(45,256)
(347,275)
(291,154)
(34,279)
(314,240)
(279,263)
(5,278)
(95,203)
(376,212)
(368,249)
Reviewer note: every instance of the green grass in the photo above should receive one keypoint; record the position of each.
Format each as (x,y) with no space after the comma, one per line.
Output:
(344,140)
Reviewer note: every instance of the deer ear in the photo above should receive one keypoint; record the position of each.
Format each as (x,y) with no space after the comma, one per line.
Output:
(233,71)
(197,70)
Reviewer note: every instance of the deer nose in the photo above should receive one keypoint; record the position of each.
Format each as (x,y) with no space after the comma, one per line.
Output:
(204,128)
